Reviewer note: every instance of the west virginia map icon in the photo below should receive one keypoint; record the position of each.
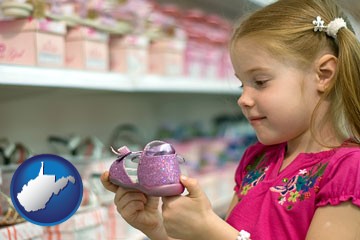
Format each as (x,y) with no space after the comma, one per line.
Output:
(46,189)
(37,192)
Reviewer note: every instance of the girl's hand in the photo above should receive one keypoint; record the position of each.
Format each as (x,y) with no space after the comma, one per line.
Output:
(191,216)
(185,217)
(138,209)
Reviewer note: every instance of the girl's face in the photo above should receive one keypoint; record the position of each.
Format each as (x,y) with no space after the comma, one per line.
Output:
(278,98)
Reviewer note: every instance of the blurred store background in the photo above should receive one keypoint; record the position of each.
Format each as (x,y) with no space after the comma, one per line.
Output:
(78,76)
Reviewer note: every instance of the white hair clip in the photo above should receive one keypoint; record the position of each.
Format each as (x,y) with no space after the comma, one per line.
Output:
(331,29)
(318,24)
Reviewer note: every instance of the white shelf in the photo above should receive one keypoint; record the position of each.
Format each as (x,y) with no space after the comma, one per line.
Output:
(63,78)
(151,83)
(12,75)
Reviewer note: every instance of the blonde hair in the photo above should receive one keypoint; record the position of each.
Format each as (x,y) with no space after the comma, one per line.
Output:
(285,29)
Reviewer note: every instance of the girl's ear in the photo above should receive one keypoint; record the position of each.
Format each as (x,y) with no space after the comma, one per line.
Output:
(326,69)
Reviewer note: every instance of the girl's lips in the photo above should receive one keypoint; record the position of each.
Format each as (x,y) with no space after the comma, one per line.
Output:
(254,120)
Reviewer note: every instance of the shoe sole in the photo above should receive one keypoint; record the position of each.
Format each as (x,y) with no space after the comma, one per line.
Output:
(156,191)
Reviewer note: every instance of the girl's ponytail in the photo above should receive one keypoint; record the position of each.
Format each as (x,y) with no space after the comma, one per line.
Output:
(347,84)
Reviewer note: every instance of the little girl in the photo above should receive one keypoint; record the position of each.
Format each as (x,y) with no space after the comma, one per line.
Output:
(299,65)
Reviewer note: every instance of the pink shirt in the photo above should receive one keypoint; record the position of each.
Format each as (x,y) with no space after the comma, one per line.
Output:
(280,205)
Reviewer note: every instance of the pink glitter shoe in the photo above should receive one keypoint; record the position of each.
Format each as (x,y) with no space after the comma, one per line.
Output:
(154,171)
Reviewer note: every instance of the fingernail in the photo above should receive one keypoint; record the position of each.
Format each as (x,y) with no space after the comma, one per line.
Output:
(183,177)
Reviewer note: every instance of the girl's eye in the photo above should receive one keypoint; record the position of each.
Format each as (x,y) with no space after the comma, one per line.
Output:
(261,80)
(260,83)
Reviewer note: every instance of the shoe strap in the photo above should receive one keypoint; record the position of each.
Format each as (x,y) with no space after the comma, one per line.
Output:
(121,152)
(124,151)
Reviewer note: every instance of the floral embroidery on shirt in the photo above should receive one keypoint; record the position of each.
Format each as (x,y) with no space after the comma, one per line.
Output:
(255,173)
(298,188)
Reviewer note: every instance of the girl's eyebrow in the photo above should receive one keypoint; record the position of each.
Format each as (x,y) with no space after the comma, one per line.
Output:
(251,70)
(255,69)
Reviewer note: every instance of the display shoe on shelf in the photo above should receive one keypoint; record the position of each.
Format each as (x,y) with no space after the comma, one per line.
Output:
(127,135)
(13,153)
(79,147)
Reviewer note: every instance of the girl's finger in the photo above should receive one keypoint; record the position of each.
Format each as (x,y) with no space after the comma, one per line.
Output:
(123,198)
(106,183)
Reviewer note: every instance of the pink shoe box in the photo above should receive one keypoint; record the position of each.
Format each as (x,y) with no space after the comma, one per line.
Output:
(194,59)
(129,54)
(167,57)
(212,62)
(217,35)
(87,48)
(226,70)
(32,42)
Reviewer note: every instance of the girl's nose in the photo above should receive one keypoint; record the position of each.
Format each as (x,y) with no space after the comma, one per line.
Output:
(245,100)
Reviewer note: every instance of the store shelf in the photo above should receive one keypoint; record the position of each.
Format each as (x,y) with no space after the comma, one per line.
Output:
(63,78)
(151,83)
(77,79)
